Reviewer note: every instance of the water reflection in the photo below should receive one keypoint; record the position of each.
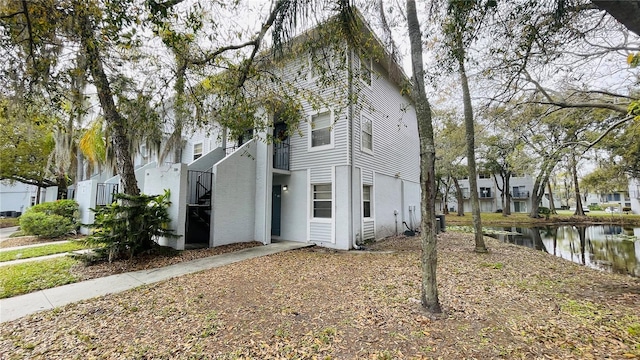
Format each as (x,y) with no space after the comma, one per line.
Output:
(605,247)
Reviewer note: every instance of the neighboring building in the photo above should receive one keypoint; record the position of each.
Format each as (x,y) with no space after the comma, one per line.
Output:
(634,195)
(347,174)
(16,198)
(490,197)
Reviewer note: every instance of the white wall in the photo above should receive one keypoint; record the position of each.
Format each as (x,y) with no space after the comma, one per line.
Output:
(411,200)
(388,198)
(294,206)
(342,213)
(173,178)
(634,194)
(50,194)
(86,198)
(141,174)
(234,192)
(263,189)
(16,196)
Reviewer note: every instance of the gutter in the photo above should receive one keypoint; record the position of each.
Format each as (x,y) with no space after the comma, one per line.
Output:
(352,220)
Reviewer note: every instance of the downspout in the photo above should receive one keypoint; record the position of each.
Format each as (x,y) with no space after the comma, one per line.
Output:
(351,132)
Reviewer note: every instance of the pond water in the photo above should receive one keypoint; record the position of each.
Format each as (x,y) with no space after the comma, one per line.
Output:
(605,247)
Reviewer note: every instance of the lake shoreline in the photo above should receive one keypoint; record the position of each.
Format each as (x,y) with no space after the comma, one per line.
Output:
(521,219)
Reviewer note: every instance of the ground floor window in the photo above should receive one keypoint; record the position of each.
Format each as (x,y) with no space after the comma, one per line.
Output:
(519,206)
(321,200)
(366,201)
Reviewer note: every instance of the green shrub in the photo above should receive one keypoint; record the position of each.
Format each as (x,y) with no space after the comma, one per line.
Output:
(131,226)
(66,208)
(48,226)
(544,211)
(595,207)
(50,219)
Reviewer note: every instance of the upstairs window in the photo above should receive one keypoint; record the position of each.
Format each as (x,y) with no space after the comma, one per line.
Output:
(197,151)
(366,201)
(322,201)
(367,135)
(321,130)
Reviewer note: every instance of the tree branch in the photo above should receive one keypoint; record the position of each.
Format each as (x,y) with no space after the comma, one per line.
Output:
(589,145)
(30,31)
(613,107)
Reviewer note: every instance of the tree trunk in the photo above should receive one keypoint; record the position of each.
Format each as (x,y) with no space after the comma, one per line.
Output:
(507,197)
(445,203)
(582,235)
(540,183)
(39,189)
(117,125)
(574,170)
(471,151)
(501,189)
(536,196)
(552,205)
(459,197)
(429,288)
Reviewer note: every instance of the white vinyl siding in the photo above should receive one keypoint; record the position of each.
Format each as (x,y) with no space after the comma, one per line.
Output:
(394,131)
(302,155)
(322,201)
(365,69)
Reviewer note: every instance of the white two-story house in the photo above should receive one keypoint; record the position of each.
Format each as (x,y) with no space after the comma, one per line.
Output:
(347,173)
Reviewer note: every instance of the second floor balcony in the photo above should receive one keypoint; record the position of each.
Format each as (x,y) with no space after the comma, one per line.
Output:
(521,194)
(485,193)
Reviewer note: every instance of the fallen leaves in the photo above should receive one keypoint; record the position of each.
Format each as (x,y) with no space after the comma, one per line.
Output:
(318,304)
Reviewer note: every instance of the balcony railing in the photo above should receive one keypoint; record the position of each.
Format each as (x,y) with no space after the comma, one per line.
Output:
(520,194)
(105,194)
(485,194)
(200,184)
(281,156)
(230,149)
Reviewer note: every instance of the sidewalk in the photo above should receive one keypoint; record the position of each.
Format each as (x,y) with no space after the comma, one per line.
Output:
(19,306)
(6,232)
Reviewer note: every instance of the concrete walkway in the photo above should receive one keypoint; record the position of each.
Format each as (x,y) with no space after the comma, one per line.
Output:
(33,245)
(19,306)
(6,232)
(45,257)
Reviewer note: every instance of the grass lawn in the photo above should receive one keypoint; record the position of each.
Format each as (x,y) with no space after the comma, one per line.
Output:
(317,303)
(9,222)
(42,250)
(562,216)
(35,275)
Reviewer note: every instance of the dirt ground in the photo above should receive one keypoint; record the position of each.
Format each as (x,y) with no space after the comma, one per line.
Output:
(316,303)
